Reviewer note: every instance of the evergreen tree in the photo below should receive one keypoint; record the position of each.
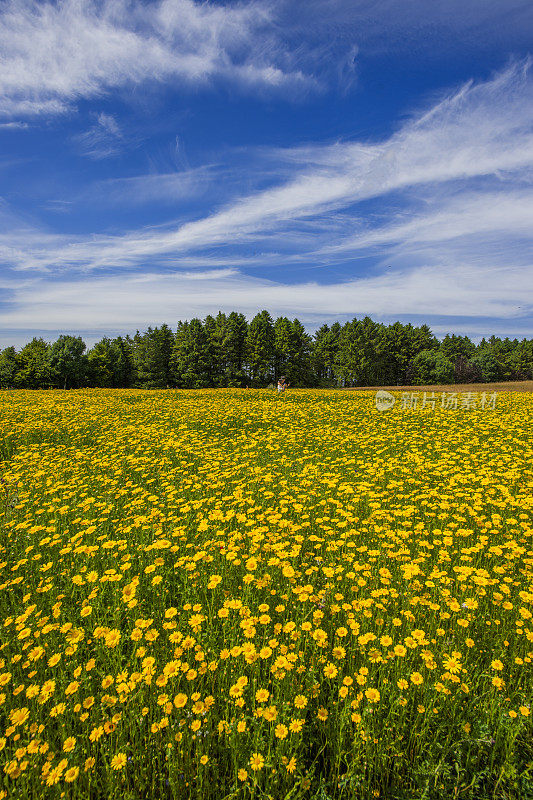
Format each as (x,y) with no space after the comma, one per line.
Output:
(8,368)
(153,354)
(234,349)
(260,349)
(215,328)
(178,355)
(324,353)
(400,348)
(347,356)
(453,347)
(360,359)
(520,361)
(227,351)
(191,356)
(101,362)
(123,366)
(284,349)
(300,368)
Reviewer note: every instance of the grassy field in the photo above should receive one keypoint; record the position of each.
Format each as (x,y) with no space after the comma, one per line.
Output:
(225,594)
(499,386)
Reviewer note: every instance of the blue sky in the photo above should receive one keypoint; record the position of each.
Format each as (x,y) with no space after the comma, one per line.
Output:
(322,159)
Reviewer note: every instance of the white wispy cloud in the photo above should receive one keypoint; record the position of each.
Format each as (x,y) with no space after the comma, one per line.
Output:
(480,132)
(102,140)
(123,303)
(168,187)
(52,54)
(461,247)
(13,125)
(507,213)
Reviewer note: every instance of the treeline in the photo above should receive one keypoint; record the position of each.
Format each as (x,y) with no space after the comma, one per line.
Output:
(226,350)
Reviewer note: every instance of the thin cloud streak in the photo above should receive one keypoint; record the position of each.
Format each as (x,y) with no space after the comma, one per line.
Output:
(127,302)
(504,213)
(54,54)
(481,131)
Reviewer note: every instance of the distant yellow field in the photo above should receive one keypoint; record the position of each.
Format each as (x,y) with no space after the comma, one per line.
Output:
(224,593)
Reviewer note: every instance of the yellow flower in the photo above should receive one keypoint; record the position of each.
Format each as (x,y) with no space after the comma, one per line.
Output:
(69,744)
(262,695)
(180,700)
(242,774)
(524,710)
(18,716)
(372,695)
(118,761)
(291,766)
(322,714)
(330,670)
(417,678)
(71,774)
(281,731)
(257,762)
(112,638)
(497,664)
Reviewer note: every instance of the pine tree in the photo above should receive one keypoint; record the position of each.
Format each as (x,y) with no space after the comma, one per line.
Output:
(325,349)
(284,349)
(191,363)
(260,349)
(453,347)
(152,354)
(234,349)
(8,368)
(215,328)
(101,359)
(300,369)
(123,366)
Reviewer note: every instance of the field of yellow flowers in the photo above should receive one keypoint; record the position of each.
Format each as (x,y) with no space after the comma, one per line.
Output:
(226,594)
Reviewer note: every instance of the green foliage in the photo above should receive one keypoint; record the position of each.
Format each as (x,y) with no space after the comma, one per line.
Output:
(226,351)
(260,349)
(486,361)
(191,356)
(431,366)
(8,367)
(33,369)
(234,348)
(68,362)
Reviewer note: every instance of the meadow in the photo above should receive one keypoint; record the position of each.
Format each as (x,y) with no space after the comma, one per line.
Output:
(226,594)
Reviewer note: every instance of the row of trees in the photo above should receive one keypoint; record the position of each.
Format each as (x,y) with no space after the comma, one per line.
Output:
(226,350)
